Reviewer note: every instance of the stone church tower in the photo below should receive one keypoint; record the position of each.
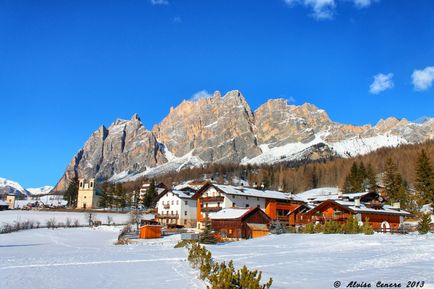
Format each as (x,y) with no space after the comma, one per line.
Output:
(87,197)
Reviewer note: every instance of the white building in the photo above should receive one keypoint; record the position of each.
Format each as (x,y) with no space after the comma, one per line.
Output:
(177,207)
(212,198)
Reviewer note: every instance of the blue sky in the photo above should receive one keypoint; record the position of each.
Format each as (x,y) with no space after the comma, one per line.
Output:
(67,67)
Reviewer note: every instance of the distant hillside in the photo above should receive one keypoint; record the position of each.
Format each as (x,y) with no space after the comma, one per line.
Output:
(301,176)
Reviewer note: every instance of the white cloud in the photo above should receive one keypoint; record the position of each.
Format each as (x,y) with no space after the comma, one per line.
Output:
(200,94)
(159,2)
(177,19)
(362,3)
(381,83)
(322,9)
(325,9)
(422,79)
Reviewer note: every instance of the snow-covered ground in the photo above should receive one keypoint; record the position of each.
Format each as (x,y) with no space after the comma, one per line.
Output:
(11,216)
(316,261)
(86,258)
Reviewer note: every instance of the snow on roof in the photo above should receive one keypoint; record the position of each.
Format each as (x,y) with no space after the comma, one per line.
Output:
(230,213)
(426,208)
(243,191)
(3,203)
(322,194)
(318,194)
(183,194)
(148,217)
(386,209)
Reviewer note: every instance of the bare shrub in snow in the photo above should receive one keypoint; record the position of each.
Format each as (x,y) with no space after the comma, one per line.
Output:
(51,223)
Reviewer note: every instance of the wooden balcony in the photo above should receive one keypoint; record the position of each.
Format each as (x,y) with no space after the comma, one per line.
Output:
(210,209)
(167,216)
(212,199)
(166,206)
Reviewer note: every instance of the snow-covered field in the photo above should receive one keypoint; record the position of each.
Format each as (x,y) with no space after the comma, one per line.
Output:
(11,216)
(87,258)
(317,261)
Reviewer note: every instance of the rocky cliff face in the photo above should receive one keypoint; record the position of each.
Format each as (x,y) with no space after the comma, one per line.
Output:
(125,147)
(223,129)
(216,129)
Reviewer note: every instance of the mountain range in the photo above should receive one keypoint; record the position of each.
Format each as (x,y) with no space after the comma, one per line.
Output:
(11,187)
(224,129)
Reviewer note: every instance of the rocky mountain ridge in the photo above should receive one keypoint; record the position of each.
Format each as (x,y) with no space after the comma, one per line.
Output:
(224,129)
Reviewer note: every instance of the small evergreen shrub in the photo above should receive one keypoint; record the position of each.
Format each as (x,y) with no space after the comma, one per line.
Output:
(424,225)
(222,276)
(367,228)
(277,228)
(332,227)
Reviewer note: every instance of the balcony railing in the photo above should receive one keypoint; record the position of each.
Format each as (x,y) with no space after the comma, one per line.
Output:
(212,199)
(167,216)
(210,209)
(166,206)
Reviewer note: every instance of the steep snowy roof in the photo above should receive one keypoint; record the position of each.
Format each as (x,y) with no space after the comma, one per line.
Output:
(183,194)
(230,213)
(250,192)
(386,209)
(322,194)
(318,194)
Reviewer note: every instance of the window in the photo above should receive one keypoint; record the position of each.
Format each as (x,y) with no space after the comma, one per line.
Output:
(186,202)
(91,184)
(218,204)
(230,231)
(247,205)
(177,202)
(171,212)
(185,222)
(247,198)
(233,204)
(257,198)
(173,202)
(185,213)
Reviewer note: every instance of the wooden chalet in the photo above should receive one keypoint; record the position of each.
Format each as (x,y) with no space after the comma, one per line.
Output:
(240,223)
(212,198)
(381,217)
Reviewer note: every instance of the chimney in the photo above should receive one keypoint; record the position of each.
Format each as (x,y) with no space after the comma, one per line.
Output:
(397,205)
(357,203)
(242,187)
(262,186)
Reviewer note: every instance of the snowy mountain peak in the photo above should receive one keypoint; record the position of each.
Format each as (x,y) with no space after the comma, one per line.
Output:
(11,187)
(224,129)
(40,191)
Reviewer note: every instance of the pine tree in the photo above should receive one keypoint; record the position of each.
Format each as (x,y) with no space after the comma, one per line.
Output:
(424,225)
(395,187)
(424,179)
(371,179)
(107,195)
(120,197)
(71,193)
(207,236)
(151,196)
